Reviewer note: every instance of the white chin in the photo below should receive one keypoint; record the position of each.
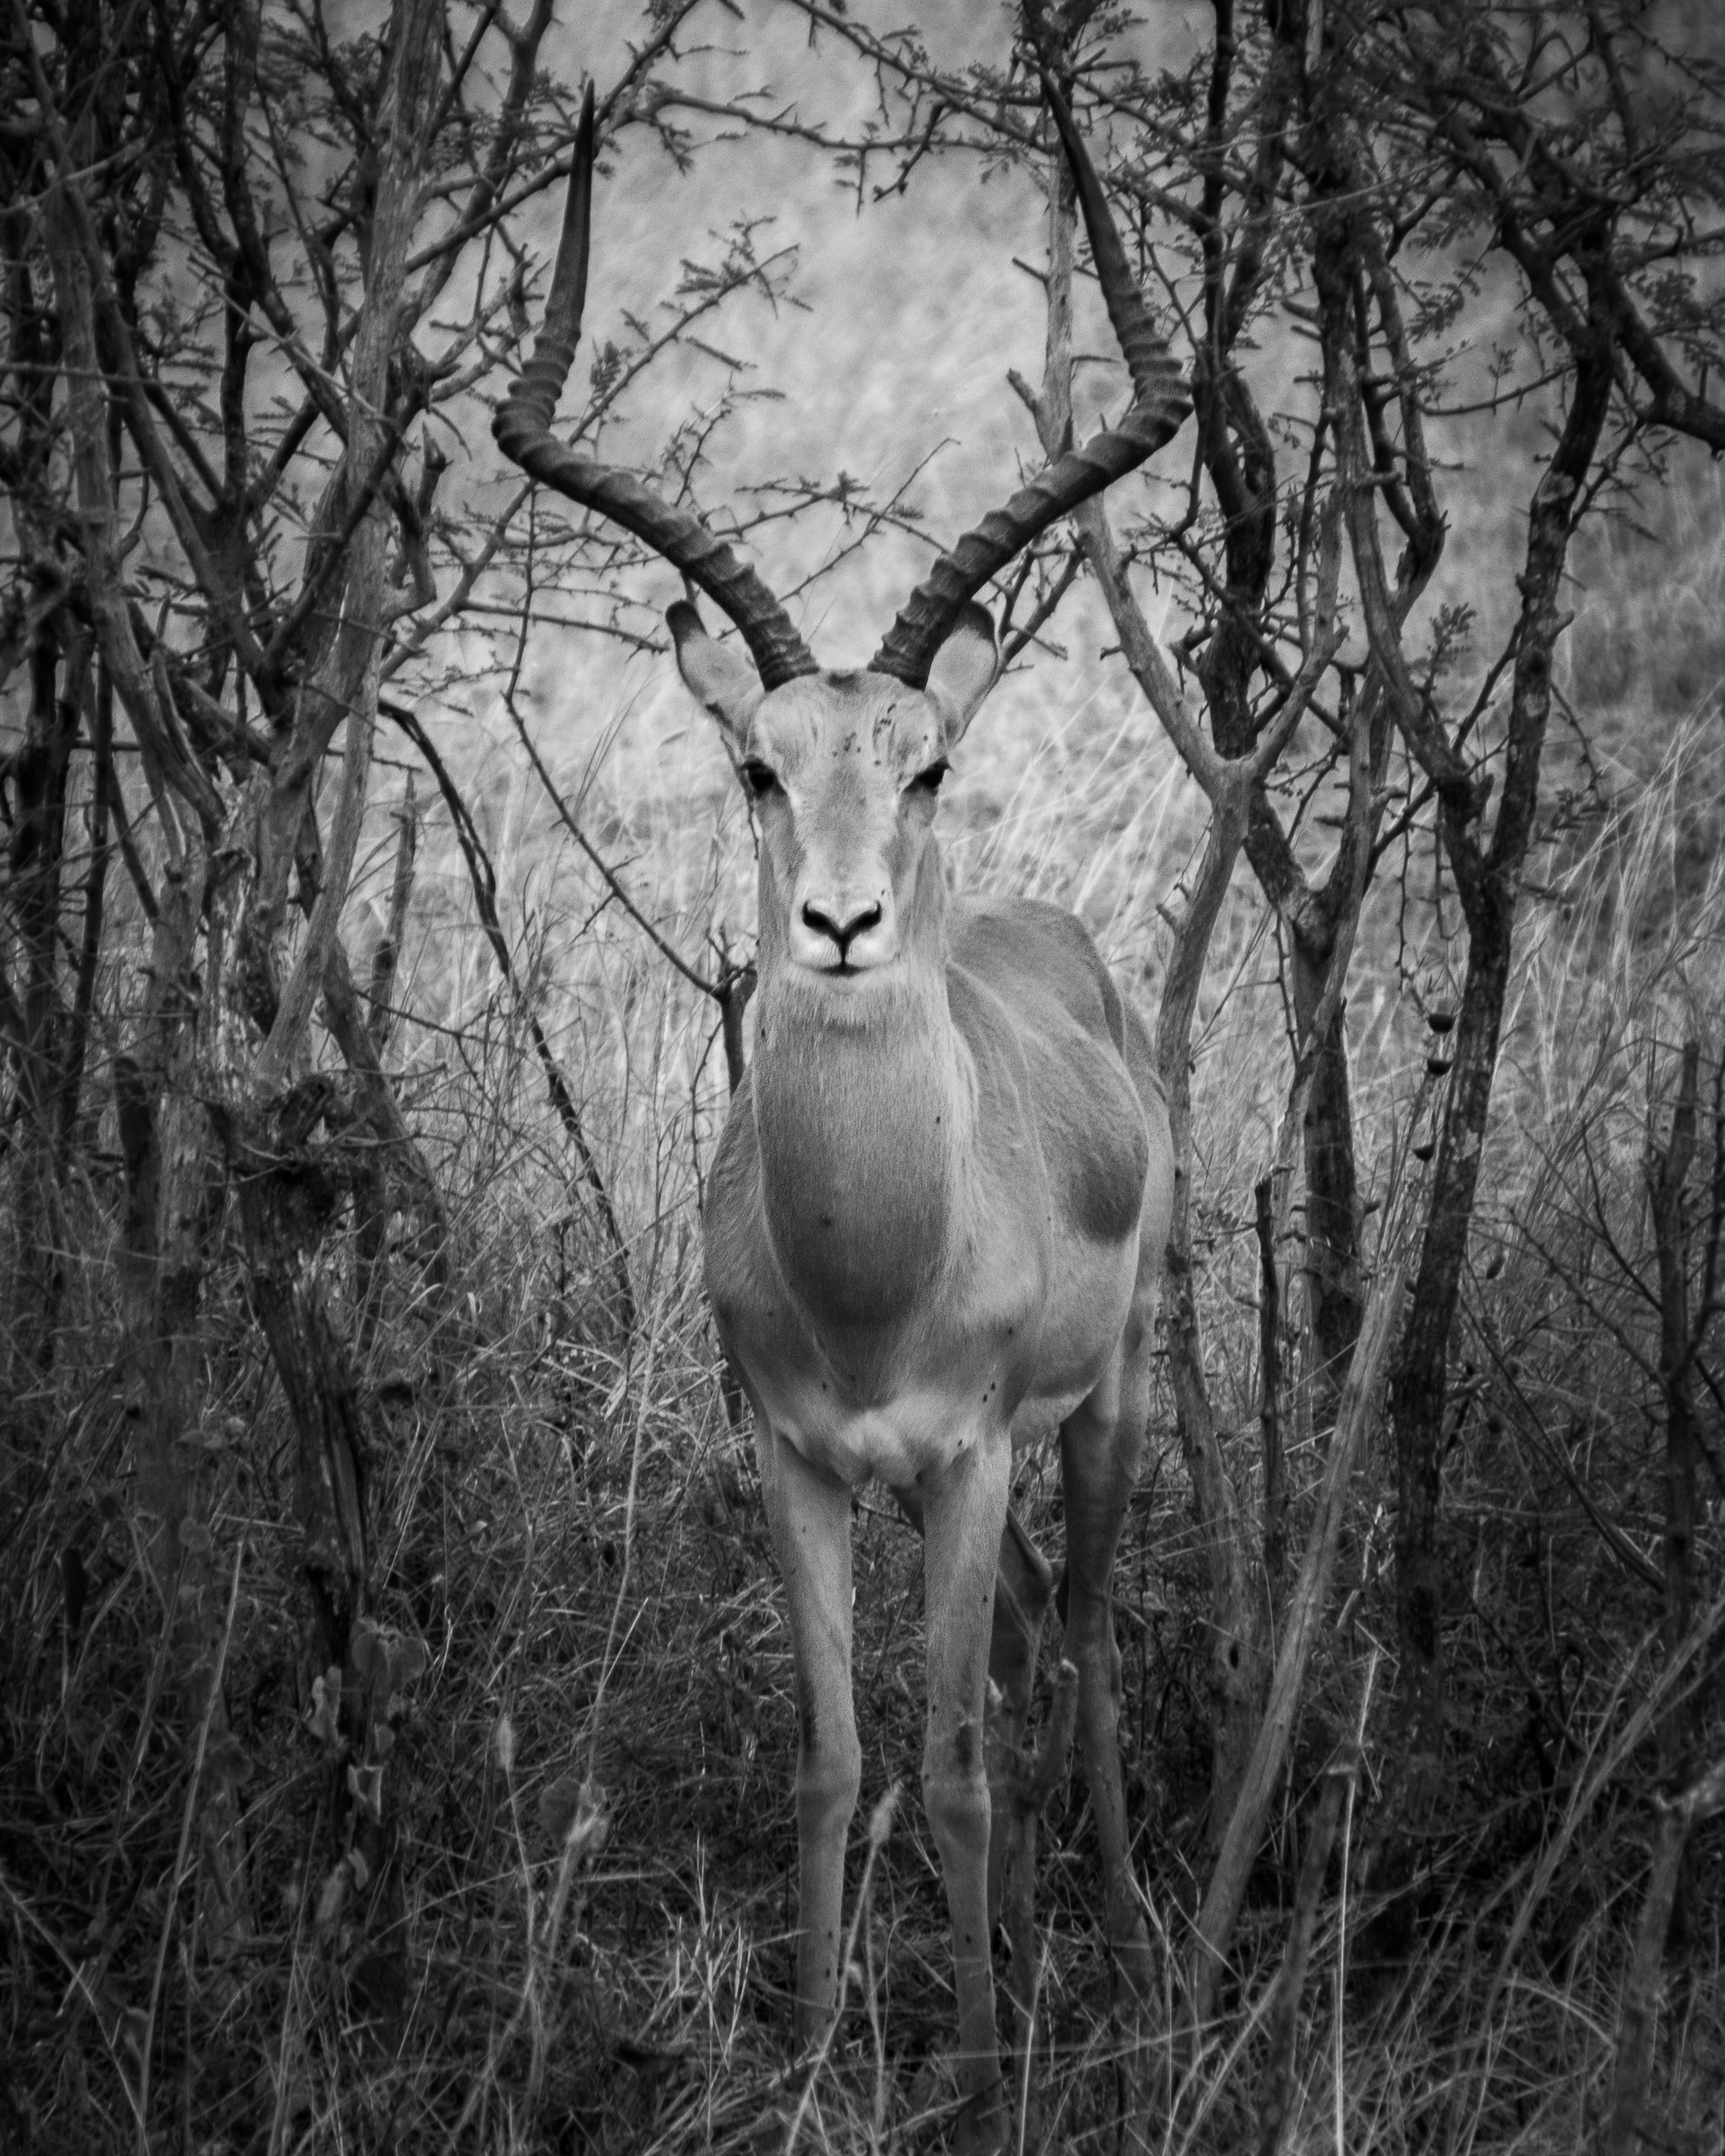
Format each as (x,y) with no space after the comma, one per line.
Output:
(854,974)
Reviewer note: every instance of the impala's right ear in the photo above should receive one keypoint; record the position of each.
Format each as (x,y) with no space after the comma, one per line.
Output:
(713,675)
(963,670)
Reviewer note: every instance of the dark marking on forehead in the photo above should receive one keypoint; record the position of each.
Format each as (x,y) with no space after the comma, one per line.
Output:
(907,733)
(840,715)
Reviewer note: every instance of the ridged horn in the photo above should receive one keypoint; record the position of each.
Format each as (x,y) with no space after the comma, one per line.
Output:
(1160,406)
(522,431)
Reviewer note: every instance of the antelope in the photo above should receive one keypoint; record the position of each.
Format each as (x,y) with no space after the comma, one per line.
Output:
(935,1225)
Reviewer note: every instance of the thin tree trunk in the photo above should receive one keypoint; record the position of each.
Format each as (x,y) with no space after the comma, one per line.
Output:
(287,1193)
(1488,877)
(1235,1655)
(371,1204)
(89,948)
(1333,1294)
(1275,1479)
(39,771)
(386,959)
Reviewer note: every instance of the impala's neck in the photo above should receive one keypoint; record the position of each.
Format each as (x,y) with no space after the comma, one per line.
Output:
(861,1106)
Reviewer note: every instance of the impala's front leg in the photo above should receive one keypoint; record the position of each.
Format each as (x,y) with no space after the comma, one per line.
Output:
(964,1511)
(809,1512)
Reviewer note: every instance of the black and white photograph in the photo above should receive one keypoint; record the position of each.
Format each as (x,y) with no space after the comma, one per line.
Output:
(862,1078)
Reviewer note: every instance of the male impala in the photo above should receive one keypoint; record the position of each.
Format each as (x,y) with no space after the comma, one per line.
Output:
(935,1221)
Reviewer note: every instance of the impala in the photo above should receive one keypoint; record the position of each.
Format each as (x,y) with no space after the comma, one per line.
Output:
(935,1225)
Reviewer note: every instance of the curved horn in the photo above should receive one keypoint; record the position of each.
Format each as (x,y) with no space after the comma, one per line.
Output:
(522,431)
(1160,404)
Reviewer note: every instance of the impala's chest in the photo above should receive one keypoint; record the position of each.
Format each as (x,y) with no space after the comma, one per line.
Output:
(938,1344)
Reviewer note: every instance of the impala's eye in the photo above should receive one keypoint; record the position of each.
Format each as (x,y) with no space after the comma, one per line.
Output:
(929,780)
(760,779)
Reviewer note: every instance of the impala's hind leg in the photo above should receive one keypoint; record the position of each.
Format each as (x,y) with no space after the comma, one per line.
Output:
(1101,1445)
(1024,1588)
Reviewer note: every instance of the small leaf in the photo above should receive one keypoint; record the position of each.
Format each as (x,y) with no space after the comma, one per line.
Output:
(331,1898)
(412,1659)
(326,1716)
(369,1655)
(560,1805)
(504,1739)
(360,1870)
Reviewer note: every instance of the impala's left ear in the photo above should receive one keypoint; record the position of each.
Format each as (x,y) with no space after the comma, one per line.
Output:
(963,670)
(713,673)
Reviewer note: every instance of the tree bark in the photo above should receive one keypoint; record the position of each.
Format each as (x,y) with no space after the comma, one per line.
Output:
(1488,877)
(1334,1298)
(89,948)
(287,1194)
(40,770)
(1275,1479)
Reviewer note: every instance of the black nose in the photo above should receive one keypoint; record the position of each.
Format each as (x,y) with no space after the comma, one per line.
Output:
(843,934)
